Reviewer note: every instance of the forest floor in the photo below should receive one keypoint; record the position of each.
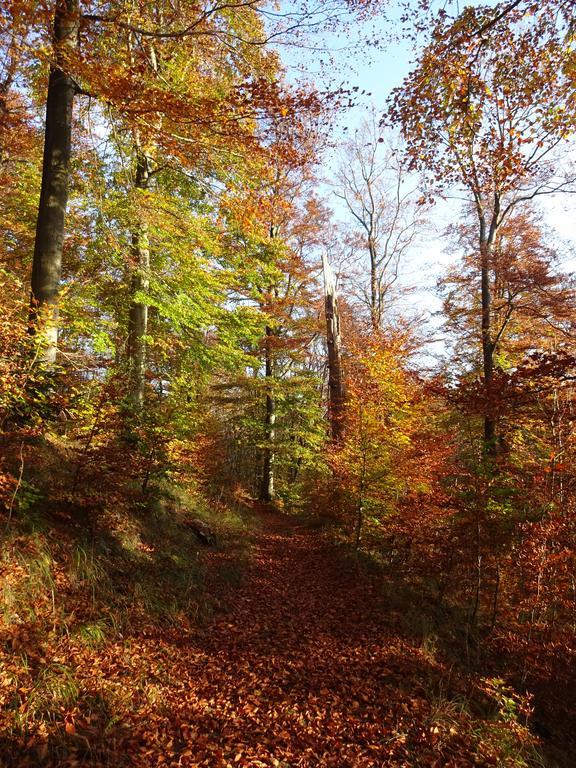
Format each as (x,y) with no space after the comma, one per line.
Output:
(304,662)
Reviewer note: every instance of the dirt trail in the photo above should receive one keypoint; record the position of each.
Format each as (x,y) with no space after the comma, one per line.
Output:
(304,668)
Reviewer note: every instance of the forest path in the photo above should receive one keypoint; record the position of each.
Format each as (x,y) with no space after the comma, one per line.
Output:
(304,668)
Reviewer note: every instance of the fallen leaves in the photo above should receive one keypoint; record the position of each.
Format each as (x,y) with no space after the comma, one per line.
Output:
(305,668)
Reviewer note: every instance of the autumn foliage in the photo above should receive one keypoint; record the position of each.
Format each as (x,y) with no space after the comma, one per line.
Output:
(256,509)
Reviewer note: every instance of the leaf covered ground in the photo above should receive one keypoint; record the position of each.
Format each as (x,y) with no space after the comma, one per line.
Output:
(303,662)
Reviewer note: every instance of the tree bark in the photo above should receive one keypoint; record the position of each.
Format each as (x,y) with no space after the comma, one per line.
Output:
(267,487)
(487,351)
(336,393)
(375,302)
(139,283)
(9,66)
(48,246)
(488,234)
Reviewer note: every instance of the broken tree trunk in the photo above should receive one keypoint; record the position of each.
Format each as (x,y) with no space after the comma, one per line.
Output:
(336,393)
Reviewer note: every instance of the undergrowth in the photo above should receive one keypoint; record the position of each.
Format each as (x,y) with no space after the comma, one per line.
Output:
(102,593)
(500,710)
(82,582)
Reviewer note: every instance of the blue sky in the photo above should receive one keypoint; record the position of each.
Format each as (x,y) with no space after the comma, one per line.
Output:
(345,59)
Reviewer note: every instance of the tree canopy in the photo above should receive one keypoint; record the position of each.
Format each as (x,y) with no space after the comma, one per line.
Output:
(267,498)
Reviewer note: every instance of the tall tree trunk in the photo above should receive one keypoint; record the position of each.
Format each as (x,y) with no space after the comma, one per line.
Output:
(47,261)
(140,277)
(267,487)
(336,393)
(360,504)
(375,309)
(9,66)
(139,283)
(487,351)
(487,239)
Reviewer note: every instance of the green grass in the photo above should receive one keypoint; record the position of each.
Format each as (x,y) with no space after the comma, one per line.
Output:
(94,634)
(55,690)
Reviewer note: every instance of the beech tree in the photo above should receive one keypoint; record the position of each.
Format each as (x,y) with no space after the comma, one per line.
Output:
(279,283)
(187,108)
(372,182)
(533,301)
(48,246)
(373,461)
(103,70)
(169,130)
(486,114)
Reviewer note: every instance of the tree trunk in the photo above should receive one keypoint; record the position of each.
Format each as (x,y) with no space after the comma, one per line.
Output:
(139,283)
(375,308)
(47,261)
(360,505)
(487,349)
(267,487)
(335,379)
(9,65)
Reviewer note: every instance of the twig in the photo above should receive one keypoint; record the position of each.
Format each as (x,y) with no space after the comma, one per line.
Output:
(18,485)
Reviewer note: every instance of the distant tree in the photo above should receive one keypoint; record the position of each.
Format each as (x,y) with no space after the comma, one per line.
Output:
(372,182)
(373,462)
